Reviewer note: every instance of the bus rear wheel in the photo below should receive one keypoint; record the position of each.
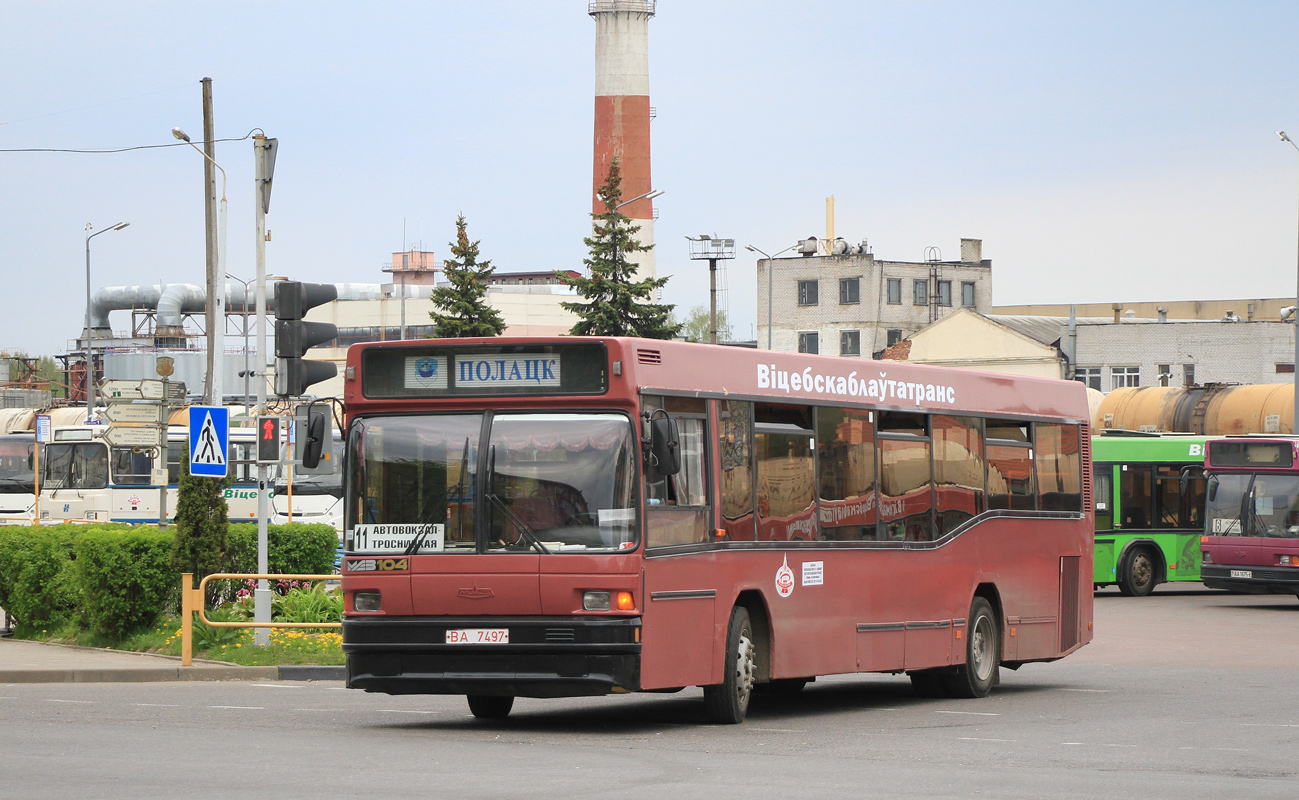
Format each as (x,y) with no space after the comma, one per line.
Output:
(488,706)
(977,675)
(727,703)
(1137,577)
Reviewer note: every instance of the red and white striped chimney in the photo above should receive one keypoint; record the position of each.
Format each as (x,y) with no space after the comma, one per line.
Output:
(622,111)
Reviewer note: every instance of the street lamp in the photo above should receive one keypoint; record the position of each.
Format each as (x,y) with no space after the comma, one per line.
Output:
(1294,423)
(711,248)
(90,350)
(650,195)
(771,265)
(216,328)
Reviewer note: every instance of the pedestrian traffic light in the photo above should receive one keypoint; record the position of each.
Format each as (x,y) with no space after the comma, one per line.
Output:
(268,440)
(294,336)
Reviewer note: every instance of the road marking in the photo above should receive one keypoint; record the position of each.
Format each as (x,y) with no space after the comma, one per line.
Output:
(404,711)
(971,713)
(80,702)
(778,730)
(158,705)
(1096,691)
(275,686)
(1266,725)
(241,708)
(977,739)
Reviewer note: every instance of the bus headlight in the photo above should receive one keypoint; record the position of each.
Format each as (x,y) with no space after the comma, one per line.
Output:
(595,601)
(365,601)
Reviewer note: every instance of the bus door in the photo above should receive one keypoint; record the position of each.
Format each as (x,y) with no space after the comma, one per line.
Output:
(132,497)
(681,586)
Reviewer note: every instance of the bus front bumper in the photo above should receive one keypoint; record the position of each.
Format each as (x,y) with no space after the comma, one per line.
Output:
(1251,579)
(544,657)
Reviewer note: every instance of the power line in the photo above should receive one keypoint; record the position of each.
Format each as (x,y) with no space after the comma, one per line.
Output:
(120,149)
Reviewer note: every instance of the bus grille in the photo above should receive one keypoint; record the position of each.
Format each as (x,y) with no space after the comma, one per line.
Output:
(560,635)
(649,357)
(1070,615)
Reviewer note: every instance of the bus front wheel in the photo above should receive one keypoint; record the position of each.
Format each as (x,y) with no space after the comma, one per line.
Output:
(976,676)
(726,703)
(1137,578)
(486,706)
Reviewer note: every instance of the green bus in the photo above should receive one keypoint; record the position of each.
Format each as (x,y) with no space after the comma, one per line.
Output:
(1148,520)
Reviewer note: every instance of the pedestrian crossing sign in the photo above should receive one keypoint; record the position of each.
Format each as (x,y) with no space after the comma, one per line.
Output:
(209,439)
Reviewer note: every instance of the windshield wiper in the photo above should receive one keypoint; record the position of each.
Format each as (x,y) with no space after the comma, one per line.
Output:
(518,523)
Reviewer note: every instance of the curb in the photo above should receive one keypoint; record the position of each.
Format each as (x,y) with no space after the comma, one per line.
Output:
(312,673)
(154,667)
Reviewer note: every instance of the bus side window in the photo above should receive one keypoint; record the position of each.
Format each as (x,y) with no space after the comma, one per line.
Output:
(677,505)
(735,445)
(906,476)
(1010,466)
(845,455)
(1058,451)
(1103,495)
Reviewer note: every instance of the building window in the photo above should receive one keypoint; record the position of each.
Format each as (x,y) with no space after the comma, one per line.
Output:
(1188,374)
(895,291)
(809,342)
(945,293)
(920,290)
(807,293)
(849,343)
(849,290)
(1124,376)
(1091,376)
(895,336)
(967,294)
(1165,374)
(1285,369)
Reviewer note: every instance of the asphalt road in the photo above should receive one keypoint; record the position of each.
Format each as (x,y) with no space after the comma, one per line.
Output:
(1184,694)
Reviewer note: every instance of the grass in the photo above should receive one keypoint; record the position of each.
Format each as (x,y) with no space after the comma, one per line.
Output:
(294,646)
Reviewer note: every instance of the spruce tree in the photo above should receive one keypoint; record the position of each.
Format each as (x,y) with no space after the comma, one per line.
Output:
(617,304)
(460,310)
(202,522)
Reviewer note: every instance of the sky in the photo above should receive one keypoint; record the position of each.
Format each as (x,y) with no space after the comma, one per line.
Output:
(1103,151)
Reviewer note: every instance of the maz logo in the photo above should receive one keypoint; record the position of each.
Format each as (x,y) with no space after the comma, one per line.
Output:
(476,593)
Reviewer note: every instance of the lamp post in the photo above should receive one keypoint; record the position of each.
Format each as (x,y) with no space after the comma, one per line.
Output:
(771,265)
(711,248)
(1294,423)
(216,328)
(650,195)
(90,350)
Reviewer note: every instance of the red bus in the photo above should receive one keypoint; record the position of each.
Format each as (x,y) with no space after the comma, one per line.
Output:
(1251,541)
(579,516)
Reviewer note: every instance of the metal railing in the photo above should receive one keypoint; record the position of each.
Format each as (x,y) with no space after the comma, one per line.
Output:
(634,6)
(193,601)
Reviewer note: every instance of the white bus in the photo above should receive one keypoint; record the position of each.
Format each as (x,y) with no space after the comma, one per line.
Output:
(17,478)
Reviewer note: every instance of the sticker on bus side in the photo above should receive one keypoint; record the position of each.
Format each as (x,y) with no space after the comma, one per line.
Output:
(396,538)
(785,579)
(813,573)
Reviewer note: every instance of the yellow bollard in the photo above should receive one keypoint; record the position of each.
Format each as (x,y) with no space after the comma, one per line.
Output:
(186,618)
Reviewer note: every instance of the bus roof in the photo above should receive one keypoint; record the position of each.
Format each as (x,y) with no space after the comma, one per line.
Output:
(1172,448)
(690,368)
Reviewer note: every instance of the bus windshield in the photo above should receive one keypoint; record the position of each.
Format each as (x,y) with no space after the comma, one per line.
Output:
(1253,505)
(16,465)
(547,483)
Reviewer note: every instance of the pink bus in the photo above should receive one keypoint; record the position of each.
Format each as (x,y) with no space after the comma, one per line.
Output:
(554,517)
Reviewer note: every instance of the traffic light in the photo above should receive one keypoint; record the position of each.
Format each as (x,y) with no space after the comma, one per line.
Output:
(294,336)
(268,440)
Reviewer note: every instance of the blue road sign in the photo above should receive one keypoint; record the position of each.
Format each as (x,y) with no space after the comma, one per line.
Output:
(209,439)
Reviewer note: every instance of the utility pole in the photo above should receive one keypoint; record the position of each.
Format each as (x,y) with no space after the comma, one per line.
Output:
(214,316)
(264,166)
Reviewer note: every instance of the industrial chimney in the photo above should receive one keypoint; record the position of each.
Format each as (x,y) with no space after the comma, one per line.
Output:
(622,112)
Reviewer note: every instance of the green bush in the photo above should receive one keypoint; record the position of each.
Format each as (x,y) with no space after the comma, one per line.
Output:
(37,585)
(127,577)
(294,549)
(308,604)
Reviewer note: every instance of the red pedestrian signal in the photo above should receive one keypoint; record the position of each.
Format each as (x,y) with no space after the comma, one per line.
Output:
(268,440)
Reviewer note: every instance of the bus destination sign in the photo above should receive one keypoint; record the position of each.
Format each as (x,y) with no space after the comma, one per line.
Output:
(430,372)
(481,371)
(396,538)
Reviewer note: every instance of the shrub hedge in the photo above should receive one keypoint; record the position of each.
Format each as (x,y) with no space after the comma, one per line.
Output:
(113,577)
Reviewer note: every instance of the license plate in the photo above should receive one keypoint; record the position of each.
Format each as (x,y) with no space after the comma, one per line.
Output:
(478,636)
(1242,573)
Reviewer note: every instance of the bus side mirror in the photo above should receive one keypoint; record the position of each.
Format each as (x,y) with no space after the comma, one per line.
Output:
(314,446)
(665,448)
(1213,488)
